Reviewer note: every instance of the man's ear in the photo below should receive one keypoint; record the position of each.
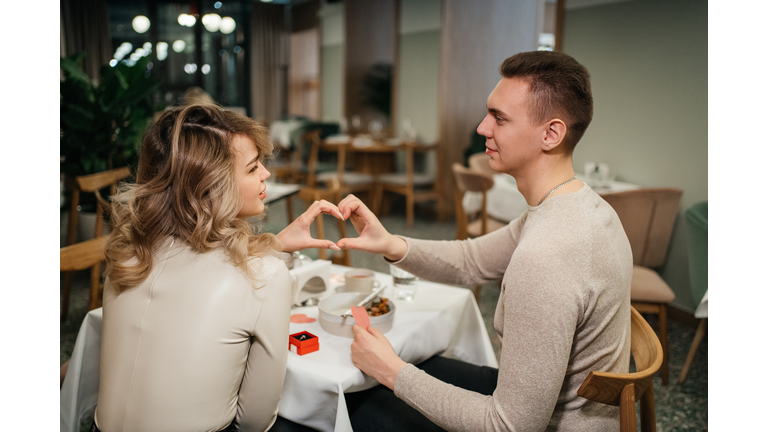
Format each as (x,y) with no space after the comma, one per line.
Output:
(554,134)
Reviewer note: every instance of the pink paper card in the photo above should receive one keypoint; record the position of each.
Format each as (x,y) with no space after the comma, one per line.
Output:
(361,316)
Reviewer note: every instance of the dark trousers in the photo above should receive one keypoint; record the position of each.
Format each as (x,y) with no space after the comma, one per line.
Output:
(378,409)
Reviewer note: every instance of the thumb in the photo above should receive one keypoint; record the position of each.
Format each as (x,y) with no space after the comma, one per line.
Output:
(351,243)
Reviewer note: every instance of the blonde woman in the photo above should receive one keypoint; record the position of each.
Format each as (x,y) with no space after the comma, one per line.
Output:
(196,306)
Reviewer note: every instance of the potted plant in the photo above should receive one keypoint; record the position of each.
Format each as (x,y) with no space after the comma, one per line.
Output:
(101,124)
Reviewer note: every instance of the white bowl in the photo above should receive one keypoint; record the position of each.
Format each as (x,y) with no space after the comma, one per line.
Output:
(333,306)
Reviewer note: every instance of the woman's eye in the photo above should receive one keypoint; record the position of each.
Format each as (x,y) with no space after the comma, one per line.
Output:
(255,167)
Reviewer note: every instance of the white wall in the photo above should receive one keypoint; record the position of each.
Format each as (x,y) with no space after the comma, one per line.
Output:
(648,61)
(332,61)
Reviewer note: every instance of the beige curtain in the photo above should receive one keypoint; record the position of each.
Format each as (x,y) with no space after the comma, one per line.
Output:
(269,61)
(85,27)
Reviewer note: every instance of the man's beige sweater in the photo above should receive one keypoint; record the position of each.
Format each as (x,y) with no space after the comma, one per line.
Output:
(564,310)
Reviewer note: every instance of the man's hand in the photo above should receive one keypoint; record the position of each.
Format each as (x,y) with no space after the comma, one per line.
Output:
(373,237)
(373,354)
(296,236)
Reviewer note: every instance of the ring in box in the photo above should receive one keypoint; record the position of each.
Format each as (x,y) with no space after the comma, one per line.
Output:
(303,343)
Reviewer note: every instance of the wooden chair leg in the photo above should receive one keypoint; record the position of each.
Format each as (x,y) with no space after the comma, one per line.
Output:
(68,276)
(409,208)
(289,206)
(628,409)
(477,293)
(648,410)
(378,196)
(664,344)
(700,332)
(345,259)
(93,298)
(320,235)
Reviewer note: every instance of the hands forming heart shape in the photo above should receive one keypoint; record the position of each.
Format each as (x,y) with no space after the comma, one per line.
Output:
(372,236)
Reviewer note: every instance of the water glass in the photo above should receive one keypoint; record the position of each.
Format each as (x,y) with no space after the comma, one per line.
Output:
(404,283)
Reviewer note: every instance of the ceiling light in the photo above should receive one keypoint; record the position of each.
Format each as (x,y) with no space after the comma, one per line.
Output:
(140,23)
(211,22)
(227,25)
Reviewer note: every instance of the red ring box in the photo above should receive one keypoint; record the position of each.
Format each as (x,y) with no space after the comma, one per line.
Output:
(303,343)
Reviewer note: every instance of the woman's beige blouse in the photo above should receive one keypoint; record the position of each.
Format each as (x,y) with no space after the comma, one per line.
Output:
(195,346)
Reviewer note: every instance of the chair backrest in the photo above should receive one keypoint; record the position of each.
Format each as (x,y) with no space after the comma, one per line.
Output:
(697,218)
(467,180)
(311,139)
(481,162)
(620,389)
(83,255)
(648,216)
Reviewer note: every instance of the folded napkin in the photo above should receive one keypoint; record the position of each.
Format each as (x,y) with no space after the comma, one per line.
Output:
(362,141)
(337,139)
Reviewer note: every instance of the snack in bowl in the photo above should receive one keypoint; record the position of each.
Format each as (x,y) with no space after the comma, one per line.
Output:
(381,313)
(379,307)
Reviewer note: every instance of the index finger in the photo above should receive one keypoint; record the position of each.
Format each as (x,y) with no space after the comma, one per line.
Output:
(352,204)
(323,206)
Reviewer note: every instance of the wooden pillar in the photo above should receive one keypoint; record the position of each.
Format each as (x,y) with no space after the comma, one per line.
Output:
(476,38)
(370,38)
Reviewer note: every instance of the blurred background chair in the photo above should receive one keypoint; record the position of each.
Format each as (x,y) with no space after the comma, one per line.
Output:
(648,216)
(416,187)
(623,390)
(80,256)
(332,194)
(697,217)
(350,181)
(481,162)
(467,180)
(92,183)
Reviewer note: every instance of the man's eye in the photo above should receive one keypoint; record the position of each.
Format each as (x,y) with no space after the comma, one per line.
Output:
(499,119)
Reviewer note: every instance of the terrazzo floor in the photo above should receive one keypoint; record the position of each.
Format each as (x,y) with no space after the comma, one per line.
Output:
(678,407)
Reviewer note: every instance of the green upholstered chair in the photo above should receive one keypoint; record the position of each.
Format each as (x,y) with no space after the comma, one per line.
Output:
(696,216)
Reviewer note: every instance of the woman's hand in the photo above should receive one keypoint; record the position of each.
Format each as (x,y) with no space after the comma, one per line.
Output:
(296,236)
(372,236)
(373,354)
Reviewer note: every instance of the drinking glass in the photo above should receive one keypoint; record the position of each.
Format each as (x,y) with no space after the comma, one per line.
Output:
(404,283)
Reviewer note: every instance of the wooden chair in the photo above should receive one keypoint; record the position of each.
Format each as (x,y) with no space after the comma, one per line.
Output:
(349,181)
(81,256)
(468,180)
(623,390)
(481,162)
(648,216)
(92,183)
(406,183)
(331,193)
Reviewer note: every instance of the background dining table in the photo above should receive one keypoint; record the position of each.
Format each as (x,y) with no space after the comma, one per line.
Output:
(441,319)
(372,155)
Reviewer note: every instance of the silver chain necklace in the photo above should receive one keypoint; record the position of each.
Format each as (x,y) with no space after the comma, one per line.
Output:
(556,188)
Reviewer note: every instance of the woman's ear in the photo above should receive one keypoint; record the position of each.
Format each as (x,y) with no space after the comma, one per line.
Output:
(554,134)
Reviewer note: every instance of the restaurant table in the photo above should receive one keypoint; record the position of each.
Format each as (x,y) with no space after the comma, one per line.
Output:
(441,319)
(278,191)
(506,203)
(371,155)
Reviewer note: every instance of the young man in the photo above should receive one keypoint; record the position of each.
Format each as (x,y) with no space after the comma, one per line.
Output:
(565,265)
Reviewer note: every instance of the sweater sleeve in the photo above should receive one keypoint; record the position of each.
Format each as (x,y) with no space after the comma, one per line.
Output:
(267,358)
(462,262)
(540,306)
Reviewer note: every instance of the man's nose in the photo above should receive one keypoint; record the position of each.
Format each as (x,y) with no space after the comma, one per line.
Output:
(483,129)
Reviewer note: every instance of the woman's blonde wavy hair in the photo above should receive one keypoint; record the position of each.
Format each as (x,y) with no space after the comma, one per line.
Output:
(186,189)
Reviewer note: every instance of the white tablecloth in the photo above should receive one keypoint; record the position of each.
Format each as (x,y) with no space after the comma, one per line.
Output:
(440,319)
(506,203)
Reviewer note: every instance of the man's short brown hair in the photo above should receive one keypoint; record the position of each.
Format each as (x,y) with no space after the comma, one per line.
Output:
(559,88)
